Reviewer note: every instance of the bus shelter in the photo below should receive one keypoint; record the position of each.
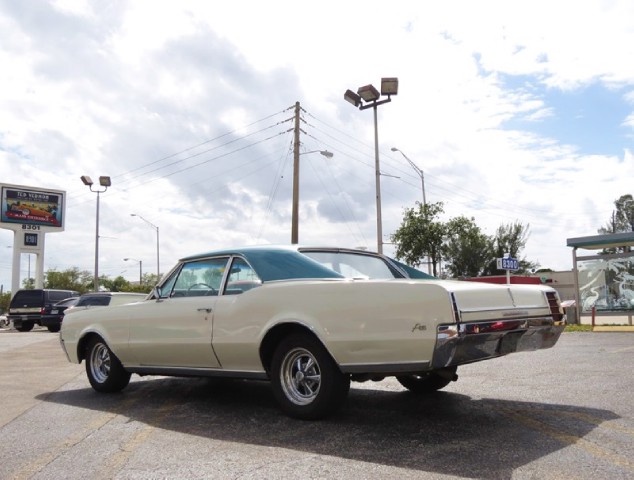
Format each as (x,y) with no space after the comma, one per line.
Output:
(604,281)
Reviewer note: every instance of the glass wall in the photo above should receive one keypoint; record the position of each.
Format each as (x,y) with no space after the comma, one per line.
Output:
(607,283)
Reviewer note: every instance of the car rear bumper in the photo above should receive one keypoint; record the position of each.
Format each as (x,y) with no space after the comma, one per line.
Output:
(464,343)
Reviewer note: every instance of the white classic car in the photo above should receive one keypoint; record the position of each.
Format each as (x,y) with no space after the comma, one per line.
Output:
(310,320)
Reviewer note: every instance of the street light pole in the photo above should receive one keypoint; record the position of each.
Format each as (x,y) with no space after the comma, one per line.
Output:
(370,95)
(140,268)
(418,170)
(105,183)
(158,267)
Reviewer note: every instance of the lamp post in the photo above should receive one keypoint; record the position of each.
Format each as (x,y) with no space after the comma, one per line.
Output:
(140,268)
(370,95)
(418,170)
(105,183)
(158,267)
(295,213)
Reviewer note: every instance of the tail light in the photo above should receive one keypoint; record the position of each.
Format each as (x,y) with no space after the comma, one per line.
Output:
(555,308)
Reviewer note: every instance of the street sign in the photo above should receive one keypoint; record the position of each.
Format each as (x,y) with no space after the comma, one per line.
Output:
(508,263)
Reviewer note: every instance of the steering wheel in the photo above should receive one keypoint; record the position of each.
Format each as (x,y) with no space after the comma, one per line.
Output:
(208,287)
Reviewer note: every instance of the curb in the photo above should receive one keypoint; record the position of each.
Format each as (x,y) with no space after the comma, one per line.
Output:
(616,328)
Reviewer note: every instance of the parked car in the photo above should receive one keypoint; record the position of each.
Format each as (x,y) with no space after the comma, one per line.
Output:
(105,299)
(310,321)
(30,307)
(60,307)
(4,321)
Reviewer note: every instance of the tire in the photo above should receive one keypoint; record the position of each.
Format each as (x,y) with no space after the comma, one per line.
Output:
(428,382)
(104,370)
(54,328)
(307,383)
(25,327)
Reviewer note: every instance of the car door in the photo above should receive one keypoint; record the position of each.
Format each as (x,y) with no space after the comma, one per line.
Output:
(175,330)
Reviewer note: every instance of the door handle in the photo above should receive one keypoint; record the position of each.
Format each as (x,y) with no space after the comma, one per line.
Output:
(208,309)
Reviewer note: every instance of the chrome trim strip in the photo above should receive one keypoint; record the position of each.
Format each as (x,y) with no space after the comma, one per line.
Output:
(195,372)
(508,308)
(385,367)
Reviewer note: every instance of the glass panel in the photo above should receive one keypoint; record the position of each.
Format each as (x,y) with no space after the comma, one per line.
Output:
(241,278)
(353,265)
(200,278)
(606,284)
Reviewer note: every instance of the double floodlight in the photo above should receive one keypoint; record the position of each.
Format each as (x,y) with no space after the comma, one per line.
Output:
(370,95)
(103,181)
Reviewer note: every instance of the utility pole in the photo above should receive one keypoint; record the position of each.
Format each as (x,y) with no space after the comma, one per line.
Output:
(295,213)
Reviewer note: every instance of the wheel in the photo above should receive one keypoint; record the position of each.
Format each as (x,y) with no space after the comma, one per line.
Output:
(428,382)
(103,368)
(54,328)
(307,383)
(25,327)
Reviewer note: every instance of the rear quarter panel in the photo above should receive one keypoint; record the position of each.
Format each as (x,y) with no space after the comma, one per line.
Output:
(359,322)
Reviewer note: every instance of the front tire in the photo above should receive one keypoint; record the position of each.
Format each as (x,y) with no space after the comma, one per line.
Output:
(104,370)
(54,328)
(307,383)
(428,382)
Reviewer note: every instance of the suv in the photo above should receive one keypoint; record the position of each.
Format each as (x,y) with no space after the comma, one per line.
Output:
(33,307)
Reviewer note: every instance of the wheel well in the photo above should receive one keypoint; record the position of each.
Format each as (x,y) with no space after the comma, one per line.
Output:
(81,346)
(274,336)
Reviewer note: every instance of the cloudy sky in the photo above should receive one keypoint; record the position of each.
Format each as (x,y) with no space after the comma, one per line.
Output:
(515,111)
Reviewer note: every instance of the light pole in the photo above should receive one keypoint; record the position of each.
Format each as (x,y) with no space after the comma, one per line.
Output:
(158,267)
(140,268)
(295,214)
(370,95)
(418,170)
(105,183)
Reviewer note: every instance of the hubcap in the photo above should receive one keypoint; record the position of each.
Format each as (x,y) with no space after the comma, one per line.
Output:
(300,376)
(100,363)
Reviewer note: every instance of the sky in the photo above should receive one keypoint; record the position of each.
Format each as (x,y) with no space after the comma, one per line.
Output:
(515,112)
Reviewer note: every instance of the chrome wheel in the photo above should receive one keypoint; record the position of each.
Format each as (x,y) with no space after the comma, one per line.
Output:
(103,368)
(300,376)
(100,363)
(307,382)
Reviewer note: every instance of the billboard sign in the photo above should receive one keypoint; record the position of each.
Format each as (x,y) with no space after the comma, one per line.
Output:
(32,207)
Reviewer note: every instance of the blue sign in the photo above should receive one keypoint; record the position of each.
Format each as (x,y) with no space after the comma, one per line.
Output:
(509,263)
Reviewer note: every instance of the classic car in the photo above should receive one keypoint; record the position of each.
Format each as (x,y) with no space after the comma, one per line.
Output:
(309,320)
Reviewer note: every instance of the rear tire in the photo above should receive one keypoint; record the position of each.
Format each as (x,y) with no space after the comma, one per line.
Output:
(25,327)
(104,370)
(428,382)
(307,382)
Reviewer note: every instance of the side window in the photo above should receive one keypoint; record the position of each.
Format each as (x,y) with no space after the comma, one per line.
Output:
(241,278)
(199,278)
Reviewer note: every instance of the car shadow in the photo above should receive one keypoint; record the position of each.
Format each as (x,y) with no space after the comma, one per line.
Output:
(444,433)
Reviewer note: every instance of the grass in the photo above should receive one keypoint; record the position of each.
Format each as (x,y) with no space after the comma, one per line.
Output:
(578,328)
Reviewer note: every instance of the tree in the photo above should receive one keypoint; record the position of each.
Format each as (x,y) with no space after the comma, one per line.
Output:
(510,238)
(622,217)
(420,235)
(70,279)
(467,251)
(28,283)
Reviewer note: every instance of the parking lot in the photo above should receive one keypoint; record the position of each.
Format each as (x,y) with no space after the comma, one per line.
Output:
(567,412)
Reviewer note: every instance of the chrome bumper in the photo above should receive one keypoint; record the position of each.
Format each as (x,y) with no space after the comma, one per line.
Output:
(471,342)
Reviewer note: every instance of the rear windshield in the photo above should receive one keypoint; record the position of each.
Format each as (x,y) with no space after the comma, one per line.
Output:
(29,298)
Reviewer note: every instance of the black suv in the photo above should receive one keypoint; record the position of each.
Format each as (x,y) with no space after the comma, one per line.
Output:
(33,307)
